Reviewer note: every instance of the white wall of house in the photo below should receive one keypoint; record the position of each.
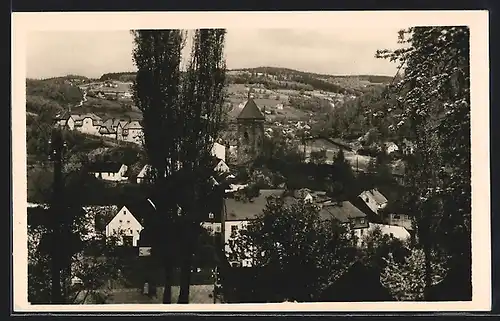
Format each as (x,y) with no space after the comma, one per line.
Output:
(118,176)
(219,151)
(124,222)
(231,226)
(221,167)
(133,135)
(88,127)
(396,231)
(212,227)
(71,123)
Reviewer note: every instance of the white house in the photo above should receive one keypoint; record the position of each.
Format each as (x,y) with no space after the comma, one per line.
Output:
(126,224)
(109,171)
(86,123)
(221,167)
(132,132)
(142,176)
(391,147)
(238,214)
(374,200)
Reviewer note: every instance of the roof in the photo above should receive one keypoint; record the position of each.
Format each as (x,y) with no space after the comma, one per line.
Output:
(107,129)
(87,115)
(105,167)
(241,211)
(376,195)
(341,211)
(144,171)
(142,209)
(251,111)
(133,125)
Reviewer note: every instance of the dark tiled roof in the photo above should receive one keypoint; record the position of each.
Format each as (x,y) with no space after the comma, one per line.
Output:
(342,211)
(239,210)
(141,209)
(105,167)
(133,125)
(251,111)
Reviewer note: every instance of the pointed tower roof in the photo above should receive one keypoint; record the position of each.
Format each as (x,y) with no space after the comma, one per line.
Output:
(251,111)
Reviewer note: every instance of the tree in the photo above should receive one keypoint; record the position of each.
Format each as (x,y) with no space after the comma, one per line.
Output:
(156,92)
(183,114)
(434,95)
(88,254)
(300,253)
(406,280)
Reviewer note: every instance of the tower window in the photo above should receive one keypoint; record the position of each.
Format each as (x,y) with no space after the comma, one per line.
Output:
(245,136)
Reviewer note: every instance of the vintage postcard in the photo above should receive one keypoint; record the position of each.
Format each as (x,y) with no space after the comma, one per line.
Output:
(251,161)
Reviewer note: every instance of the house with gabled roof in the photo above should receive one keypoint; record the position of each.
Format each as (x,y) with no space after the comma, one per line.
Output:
(109,171)
(132,132)
(375,200)
(129,221)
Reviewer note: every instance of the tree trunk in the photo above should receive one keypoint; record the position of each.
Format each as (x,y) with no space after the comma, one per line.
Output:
(167,291)
(187,260)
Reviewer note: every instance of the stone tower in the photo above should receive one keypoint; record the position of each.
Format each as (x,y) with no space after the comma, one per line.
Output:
(250,131)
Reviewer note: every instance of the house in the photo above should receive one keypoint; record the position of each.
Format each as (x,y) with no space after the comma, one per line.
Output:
(107,129)
(402,220)
(132,132)
(408,147)
(221,166)
(142,176)
(374,200)
(237,214)
(391,147)
(331,146)
(86,123)
(129,221)
(109,171)
(345,213)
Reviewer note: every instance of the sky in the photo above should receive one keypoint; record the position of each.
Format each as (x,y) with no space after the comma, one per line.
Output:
(326,51)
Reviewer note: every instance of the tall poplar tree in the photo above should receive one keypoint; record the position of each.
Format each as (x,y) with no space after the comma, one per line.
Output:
(157,56)
(182,117)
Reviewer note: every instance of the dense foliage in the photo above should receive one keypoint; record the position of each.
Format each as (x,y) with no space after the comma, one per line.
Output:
(434,96)
(290,239)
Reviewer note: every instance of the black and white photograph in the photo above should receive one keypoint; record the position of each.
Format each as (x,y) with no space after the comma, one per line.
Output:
(202,161)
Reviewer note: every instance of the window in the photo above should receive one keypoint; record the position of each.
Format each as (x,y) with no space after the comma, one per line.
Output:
(124,212)
(128,221)
(396,217)
(234,228)
(217,228)
(245,136)
(120,221)
(361,221)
